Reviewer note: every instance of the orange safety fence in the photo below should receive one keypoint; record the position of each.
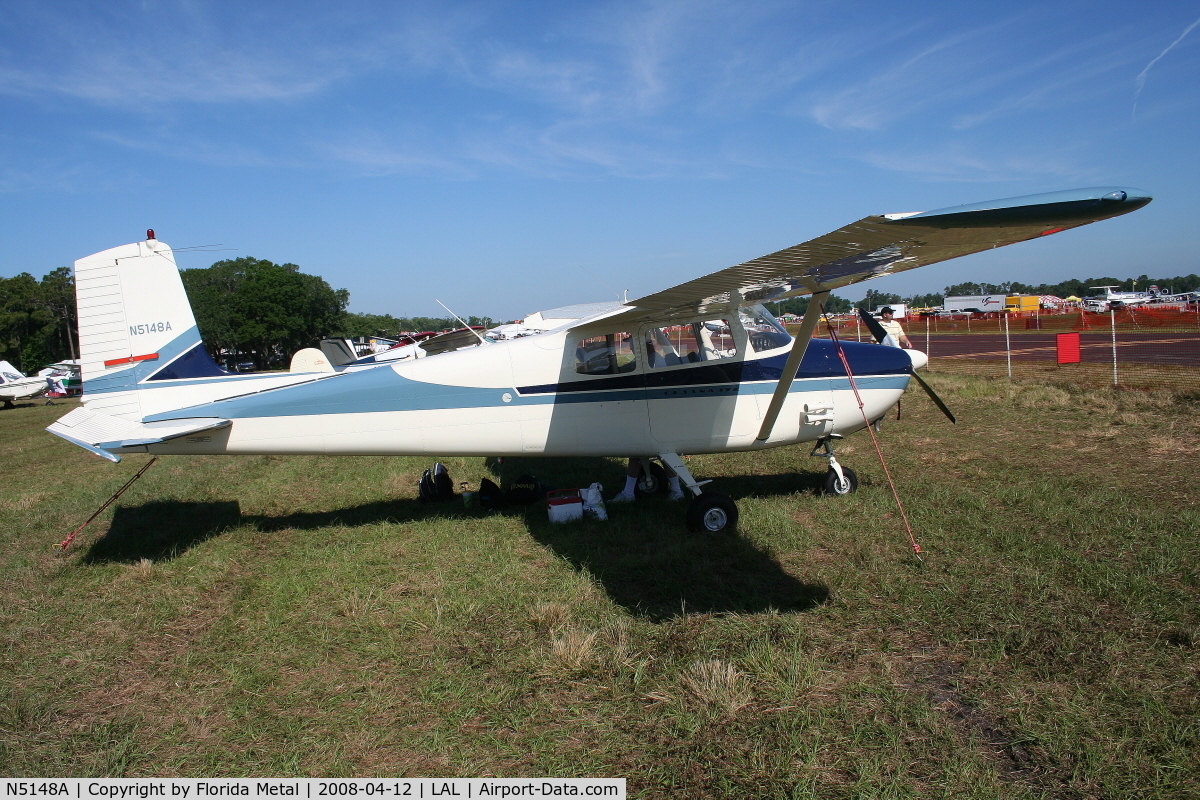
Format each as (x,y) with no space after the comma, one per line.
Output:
(1136,347)
(1132,318)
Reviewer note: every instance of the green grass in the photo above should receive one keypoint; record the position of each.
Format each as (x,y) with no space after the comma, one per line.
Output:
(252,616)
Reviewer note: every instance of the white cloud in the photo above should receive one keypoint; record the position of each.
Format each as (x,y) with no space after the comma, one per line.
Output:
(932,74)
(630,88)
(1140,81)
(995,70)
(959,162)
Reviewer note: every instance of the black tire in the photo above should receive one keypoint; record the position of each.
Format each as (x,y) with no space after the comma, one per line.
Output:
(712,513)
(654,482)
(835,487)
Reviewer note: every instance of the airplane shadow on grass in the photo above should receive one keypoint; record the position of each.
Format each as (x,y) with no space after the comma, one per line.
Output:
(661,571)
(643,557)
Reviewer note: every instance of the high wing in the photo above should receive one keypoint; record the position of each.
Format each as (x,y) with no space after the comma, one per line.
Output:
(884,245)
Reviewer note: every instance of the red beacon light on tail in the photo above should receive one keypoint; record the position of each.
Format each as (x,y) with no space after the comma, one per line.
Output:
(149,234)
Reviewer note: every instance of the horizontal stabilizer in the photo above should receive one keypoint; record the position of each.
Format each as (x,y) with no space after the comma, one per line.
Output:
(100,433)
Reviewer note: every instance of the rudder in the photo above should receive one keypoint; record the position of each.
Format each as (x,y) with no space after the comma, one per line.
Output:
(135,324)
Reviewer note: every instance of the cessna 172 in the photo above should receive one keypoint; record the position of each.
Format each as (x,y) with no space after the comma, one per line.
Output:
(701,367)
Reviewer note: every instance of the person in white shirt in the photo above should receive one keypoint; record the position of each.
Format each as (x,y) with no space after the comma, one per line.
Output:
(894,331)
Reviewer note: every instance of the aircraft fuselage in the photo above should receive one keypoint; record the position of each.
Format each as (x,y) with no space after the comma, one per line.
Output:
(523,397)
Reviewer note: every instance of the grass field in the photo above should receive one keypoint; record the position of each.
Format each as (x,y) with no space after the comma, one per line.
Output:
(276,616)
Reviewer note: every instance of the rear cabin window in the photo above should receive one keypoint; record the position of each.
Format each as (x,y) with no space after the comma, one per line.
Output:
(605,355)
(690,343)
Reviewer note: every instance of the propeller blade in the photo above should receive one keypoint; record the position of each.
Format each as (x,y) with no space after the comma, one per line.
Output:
(879,333)
(937,401)
(872,325)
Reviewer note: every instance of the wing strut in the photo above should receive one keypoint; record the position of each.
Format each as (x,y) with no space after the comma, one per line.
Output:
(799,345)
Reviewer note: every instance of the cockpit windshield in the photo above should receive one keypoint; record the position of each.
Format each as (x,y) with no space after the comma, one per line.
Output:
(763,329)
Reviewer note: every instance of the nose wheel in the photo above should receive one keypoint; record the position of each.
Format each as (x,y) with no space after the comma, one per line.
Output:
(846,483)
(839,480)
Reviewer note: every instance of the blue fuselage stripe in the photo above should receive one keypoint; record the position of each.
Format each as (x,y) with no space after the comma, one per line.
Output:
(381,389)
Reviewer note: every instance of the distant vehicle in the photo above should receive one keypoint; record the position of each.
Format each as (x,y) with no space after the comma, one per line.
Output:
(14,385)
(1023,302)
(67,372)
(899,310)
(975,303)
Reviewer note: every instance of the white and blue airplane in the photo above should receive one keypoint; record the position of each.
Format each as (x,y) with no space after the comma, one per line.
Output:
(701,367)
(15,385)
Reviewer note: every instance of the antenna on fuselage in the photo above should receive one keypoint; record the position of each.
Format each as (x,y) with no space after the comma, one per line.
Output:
(460,322)
(596,278)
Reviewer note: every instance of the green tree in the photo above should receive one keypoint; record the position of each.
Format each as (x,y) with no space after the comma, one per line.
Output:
(57,297)
(960,289)
(37,319)
(18,304)
(355,325)
(251,307)
(211,292)
(874,299)
(925,300)
(799,305)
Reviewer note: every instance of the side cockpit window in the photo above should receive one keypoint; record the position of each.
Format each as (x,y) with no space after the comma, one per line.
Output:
(689,343)
(763,330)
(609,354)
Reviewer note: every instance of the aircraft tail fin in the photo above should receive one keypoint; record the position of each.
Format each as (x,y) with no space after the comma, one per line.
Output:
(135,325)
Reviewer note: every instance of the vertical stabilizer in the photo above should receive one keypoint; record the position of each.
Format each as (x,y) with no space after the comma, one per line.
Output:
(134,321)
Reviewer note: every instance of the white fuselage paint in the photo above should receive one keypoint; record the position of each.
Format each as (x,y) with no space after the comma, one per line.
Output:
(485,423)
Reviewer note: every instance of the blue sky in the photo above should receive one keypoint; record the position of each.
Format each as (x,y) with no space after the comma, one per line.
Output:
(505,157)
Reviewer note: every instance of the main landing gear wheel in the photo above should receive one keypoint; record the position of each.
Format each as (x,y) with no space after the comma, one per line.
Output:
(836,486)
(712,513)
(652,481)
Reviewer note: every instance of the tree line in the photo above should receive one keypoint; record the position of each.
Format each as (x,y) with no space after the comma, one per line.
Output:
(1069,288)
(247,309)
(1078,288)
(37,319)
(250,309)
(389,327)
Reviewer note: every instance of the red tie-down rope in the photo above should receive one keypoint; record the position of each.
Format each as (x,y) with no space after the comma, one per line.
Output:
(65,543)
(871,430)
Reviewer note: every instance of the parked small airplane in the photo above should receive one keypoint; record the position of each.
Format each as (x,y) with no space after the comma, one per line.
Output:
(1152,296)
(15,386)
(701,367)
(1113,299)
